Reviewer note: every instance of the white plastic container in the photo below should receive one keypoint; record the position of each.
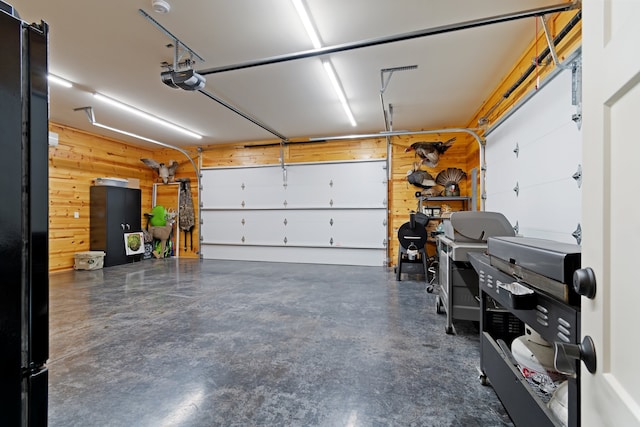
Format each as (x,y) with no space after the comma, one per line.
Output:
(113,182)
(89,260)
(535,360)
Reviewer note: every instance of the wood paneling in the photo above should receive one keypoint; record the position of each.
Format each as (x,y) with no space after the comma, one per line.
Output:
(77,160)
(268,152)
(402,194)
(74,163)
(184,170)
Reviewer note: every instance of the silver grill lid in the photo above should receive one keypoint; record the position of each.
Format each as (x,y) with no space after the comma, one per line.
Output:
(476,226)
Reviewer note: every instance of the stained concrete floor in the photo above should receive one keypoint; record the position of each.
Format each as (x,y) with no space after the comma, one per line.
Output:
(225,343)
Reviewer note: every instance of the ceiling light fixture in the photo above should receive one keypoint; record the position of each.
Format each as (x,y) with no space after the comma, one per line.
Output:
(306,22)
(124,132)
(92,119)
(59,81)
(328,66)
(144,115)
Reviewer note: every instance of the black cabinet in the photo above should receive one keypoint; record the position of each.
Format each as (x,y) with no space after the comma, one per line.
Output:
(114,211)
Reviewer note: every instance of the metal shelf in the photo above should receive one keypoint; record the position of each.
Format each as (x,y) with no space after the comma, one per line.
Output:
(464,199)
(446,198)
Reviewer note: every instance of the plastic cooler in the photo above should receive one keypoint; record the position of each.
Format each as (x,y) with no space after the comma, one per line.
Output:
(90,260)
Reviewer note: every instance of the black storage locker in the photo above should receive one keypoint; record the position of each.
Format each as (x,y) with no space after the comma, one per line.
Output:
(114,211)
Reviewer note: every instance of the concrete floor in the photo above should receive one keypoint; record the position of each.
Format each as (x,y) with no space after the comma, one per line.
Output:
(226,343)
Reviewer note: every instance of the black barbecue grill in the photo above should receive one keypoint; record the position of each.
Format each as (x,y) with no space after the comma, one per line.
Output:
(412,256)
(551,307)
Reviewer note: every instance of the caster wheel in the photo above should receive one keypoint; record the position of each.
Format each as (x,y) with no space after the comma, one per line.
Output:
(449,330)
(483,379)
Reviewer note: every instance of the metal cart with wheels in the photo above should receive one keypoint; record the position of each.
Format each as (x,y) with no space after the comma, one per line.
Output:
(465,232)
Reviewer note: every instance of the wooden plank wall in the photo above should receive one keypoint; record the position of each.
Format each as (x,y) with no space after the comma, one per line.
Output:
(402,193)
(185,170)
(74,163)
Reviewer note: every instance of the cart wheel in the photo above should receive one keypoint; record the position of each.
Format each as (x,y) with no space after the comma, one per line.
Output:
(483,379)
(449,330)
(438,305)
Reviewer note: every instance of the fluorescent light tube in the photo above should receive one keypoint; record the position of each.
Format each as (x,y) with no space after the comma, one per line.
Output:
(124,132)
(328,67)
(59,81)
(144,115)
(315,40)
(306,21)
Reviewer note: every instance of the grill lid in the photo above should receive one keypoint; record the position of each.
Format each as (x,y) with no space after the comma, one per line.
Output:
(476,226)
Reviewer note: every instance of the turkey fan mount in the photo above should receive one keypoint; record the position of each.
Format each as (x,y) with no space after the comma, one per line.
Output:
(449,179)
(165,172)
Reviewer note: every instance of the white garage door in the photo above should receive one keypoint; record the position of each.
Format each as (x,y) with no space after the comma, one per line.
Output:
(321,213)
(532,158)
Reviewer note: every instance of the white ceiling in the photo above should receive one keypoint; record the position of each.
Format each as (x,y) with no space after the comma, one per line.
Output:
(109,47)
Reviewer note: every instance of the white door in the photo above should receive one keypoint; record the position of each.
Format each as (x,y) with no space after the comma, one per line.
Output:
(611,210)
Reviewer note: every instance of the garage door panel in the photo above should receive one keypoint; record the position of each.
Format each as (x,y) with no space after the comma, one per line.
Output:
(224,188)
(222,226)
(263,227)
(264,188)
(307,187)
(307,228)
(331,255)
(359,228)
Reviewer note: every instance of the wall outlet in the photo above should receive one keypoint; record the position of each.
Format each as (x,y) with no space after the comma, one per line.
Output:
(76,214)
(53,139)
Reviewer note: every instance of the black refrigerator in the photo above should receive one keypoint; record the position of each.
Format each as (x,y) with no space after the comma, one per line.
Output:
(24,277)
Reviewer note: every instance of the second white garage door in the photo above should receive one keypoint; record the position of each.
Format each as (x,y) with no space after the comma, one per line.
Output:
(328,213)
